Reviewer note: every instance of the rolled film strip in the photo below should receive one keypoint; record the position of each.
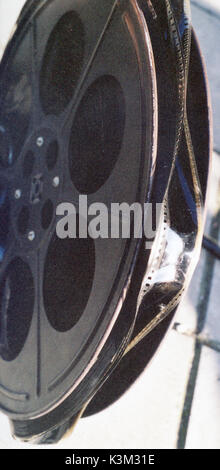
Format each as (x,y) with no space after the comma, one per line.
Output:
(181,39)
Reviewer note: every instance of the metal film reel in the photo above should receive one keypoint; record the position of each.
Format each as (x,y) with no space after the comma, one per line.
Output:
(92,103)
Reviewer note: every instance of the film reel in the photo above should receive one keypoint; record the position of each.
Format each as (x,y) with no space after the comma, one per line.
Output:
(86,111)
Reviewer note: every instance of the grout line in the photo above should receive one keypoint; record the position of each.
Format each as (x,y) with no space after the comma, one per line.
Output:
(203,340)
(205,287)
(202,307)
(184,423)
(210,343)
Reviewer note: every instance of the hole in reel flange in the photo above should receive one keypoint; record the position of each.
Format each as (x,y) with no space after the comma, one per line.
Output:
(16,308)
(52,155)
(62,63)
(68,279)
(6,152)
(28,164)
(47,214)
(97,134)
(23,219)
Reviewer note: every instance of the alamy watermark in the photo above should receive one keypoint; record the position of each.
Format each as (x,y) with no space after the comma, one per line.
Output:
(120,220)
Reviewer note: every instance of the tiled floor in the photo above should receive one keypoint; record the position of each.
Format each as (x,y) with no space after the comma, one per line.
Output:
(176,402)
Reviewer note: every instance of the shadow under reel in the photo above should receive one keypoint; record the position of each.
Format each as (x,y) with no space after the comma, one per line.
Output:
(106,99)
